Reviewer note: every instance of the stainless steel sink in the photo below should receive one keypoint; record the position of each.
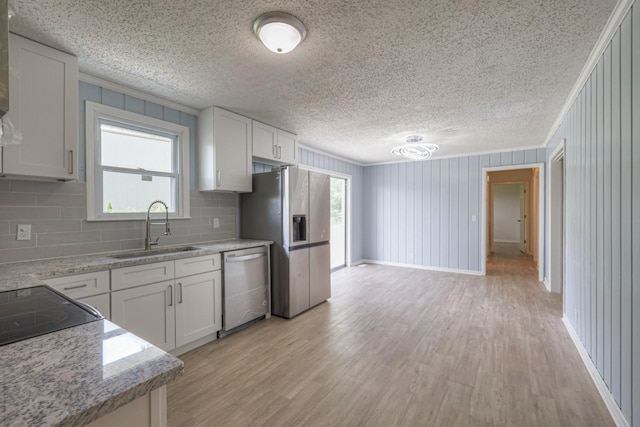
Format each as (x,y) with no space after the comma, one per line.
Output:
(156,251)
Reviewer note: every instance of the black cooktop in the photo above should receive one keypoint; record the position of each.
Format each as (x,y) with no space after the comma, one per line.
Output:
(30,312)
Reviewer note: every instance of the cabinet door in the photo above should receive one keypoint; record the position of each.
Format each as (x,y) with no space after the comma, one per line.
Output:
(147,311)
(287,147)
(232,151)
(265,141)
(319,274)
(102,303)
(43,84)
(198,306)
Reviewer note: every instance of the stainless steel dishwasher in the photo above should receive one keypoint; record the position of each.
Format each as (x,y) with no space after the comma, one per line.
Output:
(245,287)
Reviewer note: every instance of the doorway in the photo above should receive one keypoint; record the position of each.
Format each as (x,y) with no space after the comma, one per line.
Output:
(338,197)
(528,180)
(555,238)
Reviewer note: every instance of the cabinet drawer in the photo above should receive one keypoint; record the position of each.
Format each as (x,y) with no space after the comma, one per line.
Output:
(197,265)
(81,285)
(128,277)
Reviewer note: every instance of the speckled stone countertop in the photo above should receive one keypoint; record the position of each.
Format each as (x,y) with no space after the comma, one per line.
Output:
(77,375)
(26,274)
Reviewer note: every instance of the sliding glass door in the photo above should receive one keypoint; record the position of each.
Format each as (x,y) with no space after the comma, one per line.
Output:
(338,222)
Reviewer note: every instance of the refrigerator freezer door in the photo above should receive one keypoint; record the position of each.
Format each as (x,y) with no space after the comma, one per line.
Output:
(320,274)
(319,207)
(298,281)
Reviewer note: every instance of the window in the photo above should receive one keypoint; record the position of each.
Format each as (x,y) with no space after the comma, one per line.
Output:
(133,160)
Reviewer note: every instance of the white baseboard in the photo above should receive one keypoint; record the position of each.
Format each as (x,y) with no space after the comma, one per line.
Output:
(547,284)
(605,393)
(423,267)
(358,262)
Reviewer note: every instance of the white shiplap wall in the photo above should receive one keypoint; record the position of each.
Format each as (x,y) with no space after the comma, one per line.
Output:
(602,216)
(420,213)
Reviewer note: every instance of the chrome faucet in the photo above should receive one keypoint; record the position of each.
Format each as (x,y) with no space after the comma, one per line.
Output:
(167,232)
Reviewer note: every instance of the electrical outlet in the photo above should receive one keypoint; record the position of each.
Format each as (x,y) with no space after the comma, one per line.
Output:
(474,218)
(24,232)
(216,222)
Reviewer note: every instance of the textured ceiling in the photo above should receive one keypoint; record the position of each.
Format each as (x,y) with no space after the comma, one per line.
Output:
(470,75)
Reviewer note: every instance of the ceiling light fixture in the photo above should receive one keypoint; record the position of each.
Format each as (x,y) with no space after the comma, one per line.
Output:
(415,149)
(279,31)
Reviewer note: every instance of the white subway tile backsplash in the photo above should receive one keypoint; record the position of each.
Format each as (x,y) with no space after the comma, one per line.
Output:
(17,199)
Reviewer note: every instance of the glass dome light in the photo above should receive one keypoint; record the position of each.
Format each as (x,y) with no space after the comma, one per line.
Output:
(279,31)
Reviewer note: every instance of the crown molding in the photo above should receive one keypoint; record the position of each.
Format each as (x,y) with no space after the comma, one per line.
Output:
(615,20)
(333,156)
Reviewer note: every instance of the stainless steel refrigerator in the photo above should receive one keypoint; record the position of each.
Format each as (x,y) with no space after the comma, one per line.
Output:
(290,206)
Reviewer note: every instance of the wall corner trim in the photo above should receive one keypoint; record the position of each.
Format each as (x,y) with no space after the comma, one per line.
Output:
(609,30)
(605,393)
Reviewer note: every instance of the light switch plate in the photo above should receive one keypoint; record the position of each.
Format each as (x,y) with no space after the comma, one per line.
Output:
(24,232)
(216,222)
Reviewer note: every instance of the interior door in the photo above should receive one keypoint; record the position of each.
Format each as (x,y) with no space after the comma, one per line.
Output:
(523,218)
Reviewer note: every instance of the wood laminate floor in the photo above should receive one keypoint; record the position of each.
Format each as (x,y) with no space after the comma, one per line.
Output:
(398,346)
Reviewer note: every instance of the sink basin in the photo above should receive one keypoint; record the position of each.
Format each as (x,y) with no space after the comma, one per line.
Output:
(157,251)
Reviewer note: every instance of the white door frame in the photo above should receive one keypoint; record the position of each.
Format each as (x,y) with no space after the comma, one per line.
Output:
(483,229)
(348,204)
(555,213)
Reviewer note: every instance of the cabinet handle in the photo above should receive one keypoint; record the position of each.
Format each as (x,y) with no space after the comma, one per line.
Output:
(274,151)
(218,178)
(279,151)
(70,162)
(84,285)
(180,293)
(170,295)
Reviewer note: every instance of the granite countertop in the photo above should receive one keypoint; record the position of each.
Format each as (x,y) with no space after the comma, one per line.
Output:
(26,274)
(74,376)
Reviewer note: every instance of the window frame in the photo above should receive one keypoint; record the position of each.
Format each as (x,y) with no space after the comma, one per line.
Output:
(96,113)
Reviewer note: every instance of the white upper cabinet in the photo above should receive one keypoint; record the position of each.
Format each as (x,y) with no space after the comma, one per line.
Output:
(224,151)
(273,145)
(43,106)
(287,147)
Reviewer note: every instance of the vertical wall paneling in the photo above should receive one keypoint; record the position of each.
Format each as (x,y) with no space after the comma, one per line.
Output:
(409,227)
(635,225)
(394,214)
(454,212)
(606,73)
(599,251)
(625,214)
(615,217)
(436,225)
(593,205)
(401,255)
(587,226)
(582,233)
(474,202)
(419,229)
(380,220)
(386,215)
(445,220)
(426,215)
(463,214)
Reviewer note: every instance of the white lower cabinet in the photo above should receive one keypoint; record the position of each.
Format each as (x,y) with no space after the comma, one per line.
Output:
(198,307)
(147,311)
(170,313)
(89,288)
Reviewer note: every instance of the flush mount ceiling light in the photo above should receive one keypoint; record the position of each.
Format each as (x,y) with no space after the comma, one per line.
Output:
(415,149)
(279,31)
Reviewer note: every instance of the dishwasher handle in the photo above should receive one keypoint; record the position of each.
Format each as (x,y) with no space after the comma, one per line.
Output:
(236,258)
